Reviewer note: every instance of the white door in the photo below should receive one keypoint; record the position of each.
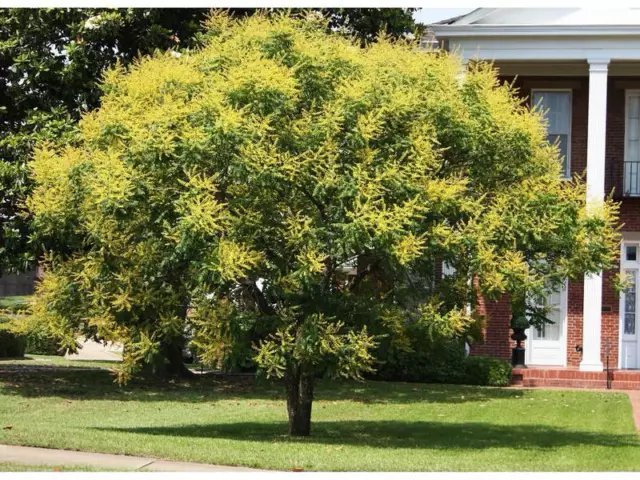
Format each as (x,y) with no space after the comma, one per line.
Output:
(629,302)
(629,337)
(547,344)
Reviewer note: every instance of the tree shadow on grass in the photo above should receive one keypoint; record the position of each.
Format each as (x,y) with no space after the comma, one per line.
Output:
(398,434)
(80,383)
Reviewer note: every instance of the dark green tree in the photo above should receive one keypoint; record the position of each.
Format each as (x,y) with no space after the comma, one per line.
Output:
(51,63)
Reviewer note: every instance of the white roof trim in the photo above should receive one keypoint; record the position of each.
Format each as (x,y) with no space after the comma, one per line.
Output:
(453,31)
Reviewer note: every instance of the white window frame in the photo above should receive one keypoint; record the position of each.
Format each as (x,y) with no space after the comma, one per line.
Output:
(628,93)
(567,175)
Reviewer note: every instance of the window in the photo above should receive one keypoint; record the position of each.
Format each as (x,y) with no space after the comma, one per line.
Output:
(448,270)
(551,331)
(632,145)
(631,253)
(630,304)
(556,106)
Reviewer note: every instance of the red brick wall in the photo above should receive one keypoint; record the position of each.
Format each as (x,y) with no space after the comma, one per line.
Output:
(610,319)
(575,298)
(497,334)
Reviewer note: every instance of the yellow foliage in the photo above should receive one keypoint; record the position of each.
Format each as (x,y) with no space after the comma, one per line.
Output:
(278,151)
(234,260)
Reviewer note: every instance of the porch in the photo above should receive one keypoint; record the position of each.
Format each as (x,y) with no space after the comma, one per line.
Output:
(593,109)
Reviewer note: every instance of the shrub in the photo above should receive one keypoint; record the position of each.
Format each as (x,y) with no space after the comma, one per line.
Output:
(12,343)
(427,362)
(38,343)
(35,336)
(486,371)
(409,355)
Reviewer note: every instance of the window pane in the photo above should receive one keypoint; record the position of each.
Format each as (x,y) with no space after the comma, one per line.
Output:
(448,270)
(634,134)
(632,253)
(632,150)
(630,305)
(634,107)
(551,331)
(557,110)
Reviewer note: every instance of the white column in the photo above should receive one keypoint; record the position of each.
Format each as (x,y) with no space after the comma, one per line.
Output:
(462,73)
(592,311)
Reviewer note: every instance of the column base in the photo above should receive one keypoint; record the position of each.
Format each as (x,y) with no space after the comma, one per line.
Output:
(591,367)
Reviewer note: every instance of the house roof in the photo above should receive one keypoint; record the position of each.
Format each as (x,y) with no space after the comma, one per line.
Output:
(543,34)
(546,16)
(451,20)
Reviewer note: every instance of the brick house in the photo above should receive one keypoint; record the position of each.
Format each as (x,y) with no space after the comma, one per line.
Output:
(583,67)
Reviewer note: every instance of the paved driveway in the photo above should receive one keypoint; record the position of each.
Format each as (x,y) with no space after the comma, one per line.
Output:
(96,351)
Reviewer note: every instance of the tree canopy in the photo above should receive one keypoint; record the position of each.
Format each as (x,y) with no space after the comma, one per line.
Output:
(288,176)
(51,64)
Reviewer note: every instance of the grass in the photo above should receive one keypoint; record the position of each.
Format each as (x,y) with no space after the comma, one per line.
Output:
(29,361)
(371,426)
(12,303)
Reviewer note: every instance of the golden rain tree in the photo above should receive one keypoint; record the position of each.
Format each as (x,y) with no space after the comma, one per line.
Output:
(291,176)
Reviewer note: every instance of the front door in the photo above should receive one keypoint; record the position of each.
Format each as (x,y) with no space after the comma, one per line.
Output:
(629,306)
(547,345)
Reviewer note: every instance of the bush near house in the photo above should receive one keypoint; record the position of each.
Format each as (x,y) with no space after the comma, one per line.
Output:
(427,362)
(443,363)
(486,371)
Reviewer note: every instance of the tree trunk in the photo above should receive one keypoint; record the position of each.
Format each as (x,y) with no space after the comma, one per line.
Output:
(173,353)
(169,363)
(299,387)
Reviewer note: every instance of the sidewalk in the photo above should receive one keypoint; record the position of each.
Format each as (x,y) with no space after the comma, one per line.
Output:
(46,456)
(634,396)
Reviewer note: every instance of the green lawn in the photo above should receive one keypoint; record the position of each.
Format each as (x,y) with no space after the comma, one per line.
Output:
(14,302)
(370,426)
(38,361)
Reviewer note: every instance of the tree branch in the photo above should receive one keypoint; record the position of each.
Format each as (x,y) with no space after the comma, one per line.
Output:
(258,298)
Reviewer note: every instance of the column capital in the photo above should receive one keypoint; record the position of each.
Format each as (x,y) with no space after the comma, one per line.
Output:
(598,64)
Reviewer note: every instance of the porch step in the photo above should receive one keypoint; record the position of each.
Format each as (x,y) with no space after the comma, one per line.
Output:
(564,382)
(574,378)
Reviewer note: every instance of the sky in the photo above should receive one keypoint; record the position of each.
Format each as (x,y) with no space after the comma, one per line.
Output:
(431,15)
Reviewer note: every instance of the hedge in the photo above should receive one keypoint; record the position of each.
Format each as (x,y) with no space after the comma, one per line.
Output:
(444,362)
(486,371)
(12,344)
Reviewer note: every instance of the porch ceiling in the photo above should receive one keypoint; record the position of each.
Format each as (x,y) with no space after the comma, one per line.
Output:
(553,47)
(570,68)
